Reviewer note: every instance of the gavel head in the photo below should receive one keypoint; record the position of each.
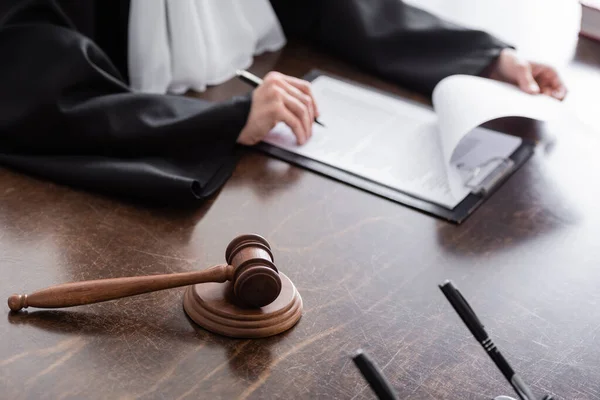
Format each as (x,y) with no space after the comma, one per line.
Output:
(256,281)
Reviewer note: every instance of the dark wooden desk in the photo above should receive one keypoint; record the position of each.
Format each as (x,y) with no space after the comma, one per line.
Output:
(367,268)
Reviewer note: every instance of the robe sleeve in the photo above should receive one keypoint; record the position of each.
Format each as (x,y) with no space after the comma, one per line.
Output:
(68,115)
(391,39)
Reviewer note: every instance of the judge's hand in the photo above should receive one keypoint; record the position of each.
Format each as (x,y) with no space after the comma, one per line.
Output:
(531,77)
(280,98)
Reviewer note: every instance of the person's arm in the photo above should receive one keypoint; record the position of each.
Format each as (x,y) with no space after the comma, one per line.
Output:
(61,94)
(391,39)
(68,115)
(410,46)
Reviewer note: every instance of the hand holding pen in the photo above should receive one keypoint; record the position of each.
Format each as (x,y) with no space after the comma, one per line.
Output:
(279,98)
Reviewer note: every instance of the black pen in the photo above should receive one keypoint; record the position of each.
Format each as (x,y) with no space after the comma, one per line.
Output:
(255,81)
(468,316)
(374,376)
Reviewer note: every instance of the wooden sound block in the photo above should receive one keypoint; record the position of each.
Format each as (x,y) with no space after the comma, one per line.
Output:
(214,307)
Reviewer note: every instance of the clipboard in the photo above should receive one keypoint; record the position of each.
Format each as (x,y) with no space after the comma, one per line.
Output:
(481,189)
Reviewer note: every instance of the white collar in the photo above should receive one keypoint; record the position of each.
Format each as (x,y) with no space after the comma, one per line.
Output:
(180,45)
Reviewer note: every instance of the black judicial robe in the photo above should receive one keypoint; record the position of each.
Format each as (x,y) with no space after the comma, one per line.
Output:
(67,114)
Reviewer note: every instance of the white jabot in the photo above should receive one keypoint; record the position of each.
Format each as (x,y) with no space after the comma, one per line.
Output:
(178,45)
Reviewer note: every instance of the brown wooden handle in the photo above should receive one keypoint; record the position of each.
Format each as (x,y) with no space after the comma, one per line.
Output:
(79,293)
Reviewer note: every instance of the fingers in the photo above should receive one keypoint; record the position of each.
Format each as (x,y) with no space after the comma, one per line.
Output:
(306,99)
(304,87)
(531,77)
(549,81)
(301,90)
(291,120)
(525,79)
(560,93)
(544,80)
(291,104)
(305,103)
(559,90)
(300,111)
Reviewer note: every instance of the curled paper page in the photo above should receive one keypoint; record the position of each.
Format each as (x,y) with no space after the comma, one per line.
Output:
(463,102)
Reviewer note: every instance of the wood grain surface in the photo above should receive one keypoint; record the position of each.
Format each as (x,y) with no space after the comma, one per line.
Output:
(367,270)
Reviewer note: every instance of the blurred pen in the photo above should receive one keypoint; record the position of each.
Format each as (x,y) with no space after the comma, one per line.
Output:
(374,376)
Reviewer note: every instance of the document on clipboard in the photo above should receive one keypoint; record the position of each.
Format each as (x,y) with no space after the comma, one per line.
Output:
(438,156)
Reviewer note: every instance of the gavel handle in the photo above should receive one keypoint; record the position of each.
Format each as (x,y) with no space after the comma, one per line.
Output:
(88,292)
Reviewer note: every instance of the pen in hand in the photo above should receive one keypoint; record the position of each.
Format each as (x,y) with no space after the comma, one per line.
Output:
(255,81)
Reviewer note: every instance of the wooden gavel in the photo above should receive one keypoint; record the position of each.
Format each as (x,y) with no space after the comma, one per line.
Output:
(249,267)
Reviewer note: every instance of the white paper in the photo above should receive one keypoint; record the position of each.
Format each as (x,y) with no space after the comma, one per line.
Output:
(380,138)
(464,102)
(407,146)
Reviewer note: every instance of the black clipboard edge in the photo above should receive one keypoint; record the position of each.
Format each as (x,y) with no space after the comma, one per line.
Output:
(456,215)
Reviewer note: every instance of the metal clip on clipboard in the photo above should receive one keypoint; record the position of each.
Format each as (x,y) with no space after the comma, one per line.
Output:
(481,185)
